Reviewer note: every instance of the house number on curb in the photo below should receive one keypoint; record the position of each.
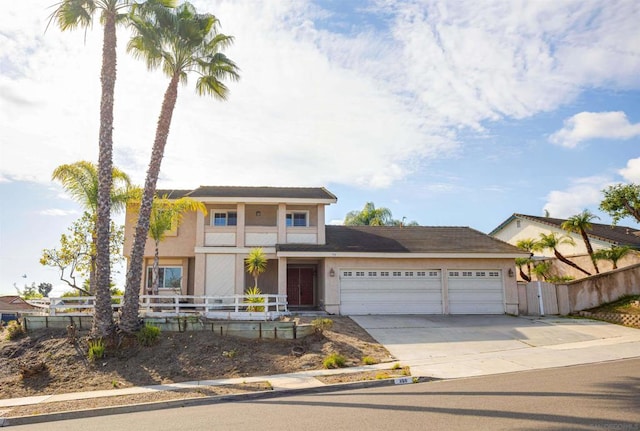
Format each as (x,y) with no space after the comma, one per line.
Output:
(403,380)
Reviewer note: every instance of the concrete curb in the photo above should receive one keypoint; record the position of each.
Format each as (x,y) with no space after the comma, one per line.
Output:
(193,402)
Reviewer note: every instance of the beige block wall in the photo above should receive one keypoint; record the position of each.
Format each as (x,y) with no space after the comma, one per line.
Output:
(594,291)
(331,297)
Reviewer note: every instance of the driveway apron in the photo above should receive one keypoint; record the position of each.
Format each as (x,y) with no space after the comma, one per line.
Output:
(462,346)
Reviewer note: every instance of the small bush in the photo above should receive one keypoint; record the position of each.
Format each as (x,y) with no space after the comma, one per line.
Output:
(148,335)
(96,349)
(368,360)
(396,366)
(321,324)
(14,330)
(253,298)
(334,360)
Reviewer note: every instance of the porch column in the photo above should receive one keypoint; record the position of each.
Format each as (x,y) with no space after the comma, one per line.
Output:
(199,275)
(320,227)
(282,223)
(282,276)
(199,229)
(240,274)
(240,228)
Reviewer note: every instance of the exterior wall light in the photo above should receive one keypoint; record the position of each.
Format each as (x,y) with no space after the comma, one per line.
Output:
(332,273)
(258,213)
(511,272)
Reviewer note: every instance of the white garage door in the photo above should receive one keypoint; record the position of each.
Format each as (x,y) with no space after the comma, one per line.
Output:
(475,292)
(375,291)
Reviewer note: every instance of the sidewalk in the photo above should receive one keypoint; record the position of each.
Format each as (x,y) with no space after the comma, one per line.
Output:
(282,384)
(300,380)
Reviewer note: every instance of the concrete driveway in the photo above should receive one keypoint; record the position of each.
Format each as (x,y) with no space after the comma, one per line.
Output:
(463,346)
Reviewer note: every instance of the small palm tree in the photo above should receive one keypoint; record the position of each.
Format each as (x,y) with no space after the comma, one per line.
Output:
(581,223)
(166,215)
(256,264)
(552,241)
(530,245)
(180,41)
(613,254)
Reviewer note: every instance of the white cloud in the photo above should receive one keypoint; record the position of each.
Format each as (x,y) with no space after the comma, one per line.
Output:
(631,172)
(313,106)
(593,125)
(581,193)
(56,212)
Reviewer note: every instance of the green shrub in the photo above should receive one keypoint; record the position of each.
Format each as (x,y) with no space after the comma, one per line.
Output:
(368,360)
(321,324)
(396,366)
(14,330)
(253,298)
(148,335)
(96,349)
(334,360)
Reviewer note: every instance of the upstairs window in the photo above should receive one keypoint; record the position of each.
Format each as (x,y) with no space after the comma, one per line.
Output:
(297,219)
(224,218)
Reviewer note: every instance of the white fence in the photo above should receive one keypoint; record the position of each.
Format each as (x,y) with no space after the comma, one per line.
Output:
(233,307)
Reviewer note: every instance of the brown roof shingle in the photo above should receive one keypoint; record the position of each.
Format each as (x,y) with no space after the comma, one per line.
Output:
(408,239)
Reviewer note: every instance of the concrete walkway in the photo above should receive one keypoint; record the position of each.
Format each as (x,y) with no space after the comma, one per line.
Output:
(464,346)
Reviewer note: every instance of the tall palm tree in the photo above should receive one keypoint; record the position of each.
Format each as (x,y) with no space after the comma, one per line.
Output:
(530,245)
(581,223)
(81,181)
(552,241)
(69,15)
(180,41)
(166,215)
(369,216)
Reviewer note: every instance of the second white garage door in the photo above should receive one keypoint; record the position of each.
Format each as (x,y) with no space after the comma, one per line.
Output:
(420,292)
(475,292)
(390,292)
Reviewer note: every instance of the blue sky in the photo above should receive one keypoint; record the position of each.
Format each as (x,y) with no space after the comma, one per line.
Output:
(448,113)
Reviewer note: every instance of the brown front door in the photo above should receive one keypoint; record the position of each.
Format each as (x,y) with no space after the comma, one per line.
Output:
(300,285)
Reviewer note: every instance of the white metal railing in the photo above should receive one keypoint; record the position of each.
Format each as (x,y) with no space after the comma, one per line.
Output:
(230,307)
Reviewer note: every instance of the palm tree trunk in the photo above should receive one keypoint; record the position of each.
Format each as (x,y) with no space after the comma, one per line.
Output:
(587,244)
(129,318)
(103,325)
(568,262)
(524,276)
(156,270)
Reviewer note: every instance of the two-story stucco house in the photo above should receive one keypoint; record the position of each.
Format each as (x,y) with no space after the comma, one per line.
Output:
(340,269)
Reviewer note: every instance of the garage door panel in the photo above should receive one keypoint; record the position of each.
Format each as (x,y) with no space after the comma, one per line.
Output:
(475,292)
(408,292)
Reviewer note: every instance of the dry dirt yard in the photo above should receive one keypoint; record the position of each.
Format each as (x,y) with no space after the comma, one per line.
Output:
(177,357)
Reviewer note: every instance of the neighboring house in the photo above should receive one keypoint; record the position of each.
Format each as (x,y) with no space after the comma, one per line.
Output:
(520,226)
(602,236)
(340,269)
(12,306)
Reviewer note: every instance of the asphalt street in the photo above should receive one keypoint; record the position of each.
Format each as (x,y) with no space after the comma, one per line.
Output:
(582,397)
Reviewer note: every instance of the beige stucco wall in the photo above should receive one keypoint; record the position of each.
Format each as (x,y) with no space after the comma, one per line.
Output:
(530,230)
(331,297)
(596,290)
(181,245)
